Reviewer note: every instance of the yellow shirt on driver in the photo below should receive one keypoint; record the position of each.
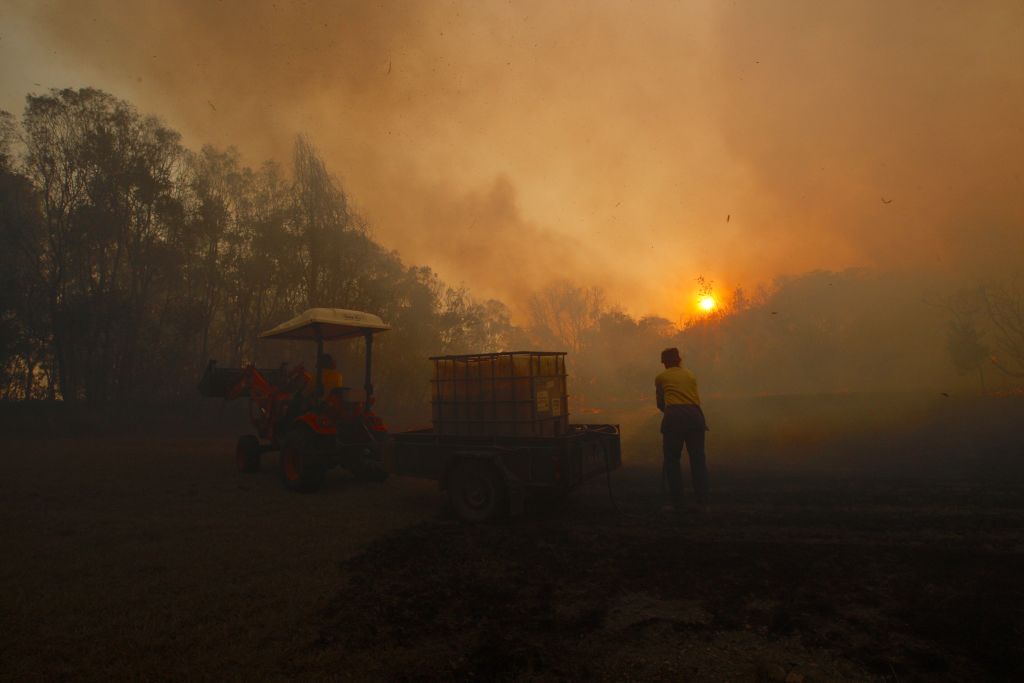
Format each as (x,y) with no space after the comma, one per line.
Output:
(331,380)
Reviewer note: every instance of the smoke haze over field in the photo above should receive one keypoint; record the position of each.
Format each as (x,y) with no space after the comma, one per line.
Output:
(630,145)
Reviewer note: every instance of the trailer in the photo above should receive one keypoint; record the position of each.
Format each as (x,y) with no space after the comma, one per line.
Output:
(501,433)
(488,476)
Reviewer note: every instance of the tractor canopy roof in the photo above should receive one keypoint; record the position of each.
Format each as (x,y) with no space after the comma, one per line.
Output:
(334,323)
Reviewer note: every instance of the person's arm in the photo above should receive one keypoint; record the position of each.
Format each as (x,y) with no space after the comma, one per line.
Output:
(659,393)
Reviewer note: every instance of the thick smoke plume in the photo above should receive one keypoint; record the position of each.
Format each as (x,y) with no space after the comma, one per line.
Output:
(633,146)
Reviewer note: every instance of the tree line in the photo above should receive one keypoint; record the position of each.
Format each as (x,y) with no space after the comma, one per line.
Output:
(128,261)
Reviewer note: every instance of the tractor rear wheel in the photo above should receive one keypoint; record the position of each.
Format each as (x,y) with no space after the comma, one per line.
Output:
(301,470)
(247,453)
(477,491)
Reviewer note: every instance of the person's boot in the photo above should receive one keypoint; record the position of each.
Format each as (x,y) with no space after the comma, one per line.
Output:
(701,508)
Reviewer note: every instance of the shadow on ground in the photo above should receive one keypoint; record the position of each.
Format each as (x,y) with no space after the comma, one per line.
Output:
(815,579)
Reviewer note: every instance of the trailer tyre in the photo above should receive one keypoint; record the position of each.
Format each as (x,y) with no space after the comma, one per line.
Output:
(247,453)
(477,491)
(300,470)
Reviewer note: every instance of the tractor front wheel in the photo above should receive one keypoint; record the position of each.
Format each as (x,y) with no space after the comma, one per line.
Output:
(477,491)
(247,453)
(301,470)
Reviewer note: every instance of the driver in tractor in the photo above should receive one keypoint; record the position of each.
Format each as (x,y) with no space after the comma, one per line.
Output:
(304,395)
(329,377)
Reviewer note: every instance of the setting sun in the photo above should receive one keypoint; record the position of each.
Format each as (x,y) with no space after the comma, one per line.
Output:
(706,303)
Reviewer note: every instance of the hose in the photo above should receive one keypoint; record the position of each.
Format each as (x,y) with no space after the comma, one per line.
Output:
(608,475)
(607,472)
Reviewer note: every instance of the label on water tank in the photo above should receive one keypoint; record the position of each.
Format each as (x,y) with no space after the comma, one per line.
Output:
(543,403)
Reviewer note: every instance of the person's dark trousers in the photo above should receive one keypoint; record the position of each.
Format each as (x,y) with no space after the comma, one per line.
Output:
(672,445)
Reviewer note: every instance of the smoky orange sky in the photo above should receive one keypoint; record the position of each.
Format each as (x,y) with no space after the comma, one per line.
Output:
(632,145)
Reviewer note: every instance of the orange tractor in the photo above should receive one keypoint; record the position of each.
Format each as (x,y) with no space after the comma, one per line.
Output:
(314,429)
(500,434)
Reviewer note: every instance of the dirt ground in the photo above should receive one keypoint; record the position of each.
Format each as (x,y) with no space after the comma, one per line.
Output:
(151,559)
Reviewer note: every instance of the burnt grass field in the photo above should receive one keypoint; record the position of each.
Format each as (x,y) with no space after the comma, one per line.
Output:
(148,558)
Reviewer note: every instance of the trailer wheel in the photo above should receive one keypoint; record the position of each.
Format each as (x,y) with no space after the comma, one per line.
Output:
(299,470)
(477,491)
(247,453)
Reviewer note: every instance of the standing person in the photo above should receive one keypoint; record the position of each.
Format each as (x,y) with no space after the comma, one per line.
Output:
(683,424)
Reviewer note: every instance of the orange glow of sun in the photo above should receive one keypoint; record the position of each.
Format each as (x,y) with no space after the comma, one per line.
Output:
(706,303)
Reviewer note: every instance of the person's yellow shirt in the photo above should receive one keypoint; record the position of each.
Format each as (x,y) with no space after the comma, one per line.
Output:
(331,379)
(676,386)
